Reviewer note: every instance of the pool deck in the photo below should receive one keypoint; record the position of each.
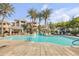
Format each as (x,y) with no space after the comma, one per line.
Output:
(24,48)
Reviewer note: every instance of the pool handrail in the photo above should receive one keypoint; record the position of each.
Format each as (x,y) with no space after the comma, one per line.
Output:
(75,41)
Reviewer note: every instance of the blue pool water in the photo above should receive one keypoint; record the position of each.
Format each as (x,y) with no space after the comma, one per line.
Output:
(60,40)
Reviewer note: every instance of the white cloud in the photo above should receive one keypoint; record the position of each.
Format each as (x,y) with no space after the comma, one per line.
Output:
(59,15)
(44,6)
(73,12)
(64,14)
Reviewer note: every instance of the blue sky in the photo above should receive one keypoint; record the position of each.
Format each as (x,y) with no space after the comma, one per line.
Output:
(61,11)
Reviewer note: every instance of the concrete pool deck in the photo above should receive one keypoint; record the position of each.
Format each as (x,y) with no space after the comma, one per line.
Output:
(25,48)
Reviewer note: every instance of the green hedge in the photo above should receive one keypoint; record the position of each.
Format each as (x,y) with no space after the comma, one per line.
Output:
(74,32)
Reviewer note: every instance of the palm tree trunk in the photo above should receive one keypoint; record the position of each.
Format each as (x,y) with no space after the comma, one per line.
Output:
(33,20)
(45,22)
(39,26)
(31,29)
(2,31)
(33,24)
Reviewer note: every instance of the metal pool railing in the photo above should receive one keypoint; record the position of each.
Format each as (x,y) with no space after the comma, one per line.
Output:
(74,42)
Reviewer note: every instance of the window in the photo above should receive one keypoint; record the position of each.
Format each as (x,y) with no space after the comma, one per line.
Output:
(0,23)
(4,23)
(22,21)
(3,28)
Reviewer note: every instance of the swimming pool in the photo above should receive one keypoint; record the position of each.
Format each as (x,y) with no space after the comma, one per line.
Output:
(57,39)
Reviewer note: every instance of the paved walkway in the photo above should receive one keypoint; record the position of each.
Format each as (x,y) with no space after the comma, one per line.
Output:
(22,48)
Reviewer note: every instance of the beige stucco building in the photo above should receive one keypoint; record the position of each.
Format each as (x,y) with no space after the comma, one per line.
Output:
(12,27)
(6,26)
(15,27)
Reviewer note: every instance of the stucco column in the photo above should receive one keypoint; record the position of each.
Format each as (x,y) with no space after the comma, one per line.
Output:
(10,31)
(19,23)
(22,30)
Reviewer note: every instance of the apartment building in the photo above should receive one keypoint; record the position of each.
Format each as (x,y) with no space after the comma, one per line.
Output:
(6,26)
(19,22)
(12,27)
(17,25)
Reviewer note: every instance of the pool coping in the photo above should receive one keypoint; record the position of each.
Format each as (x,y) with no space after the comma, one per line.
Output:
(46,35)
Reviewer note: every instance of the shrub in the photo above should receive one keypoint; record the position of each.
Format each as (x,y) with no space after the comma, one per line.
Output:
(75,32)
(52,32)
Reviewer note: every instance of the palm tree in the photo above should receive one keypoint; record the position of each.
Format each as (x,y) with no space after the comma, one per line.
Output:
(39,16)
(5,11)
(52,27)
(46,14)
(24,27)
(32,13)
(27,27)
